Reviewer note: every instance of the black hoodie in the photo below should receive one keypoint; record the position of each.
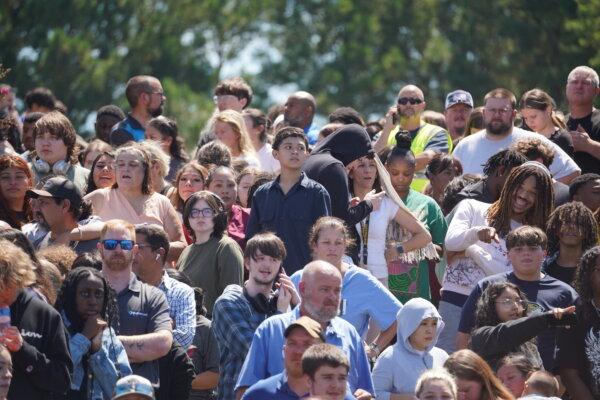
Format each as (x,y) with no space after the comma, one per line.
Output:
(327,165)
(41,368)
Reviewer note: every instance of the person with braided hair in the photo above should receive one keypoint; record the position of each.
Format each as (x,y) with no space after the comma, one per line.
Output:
(571,230)
(475,238)
(88,307)
(579,348)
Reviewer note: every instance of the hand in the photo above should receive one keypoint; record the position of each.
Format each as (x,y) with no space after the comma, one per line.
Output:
(96,342)
(12,339)
(487,234)
(389,118)
(391,254)
(580,139)
(62,238)
(559,312)
(92,327)
(362,394)
(375,199)
(353,202)
(288,296)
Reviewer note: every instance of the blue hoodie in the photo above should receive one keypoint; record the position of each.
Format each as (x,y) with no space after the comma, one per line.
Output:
(399,366)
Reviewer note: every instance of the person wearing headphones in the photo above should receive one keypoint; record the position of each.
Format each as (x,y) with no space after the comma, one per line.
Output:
(214,260)
(56,151)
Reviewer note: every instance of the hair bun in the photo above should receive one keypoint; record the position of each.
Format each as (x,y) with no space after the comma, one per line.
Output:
(403,140)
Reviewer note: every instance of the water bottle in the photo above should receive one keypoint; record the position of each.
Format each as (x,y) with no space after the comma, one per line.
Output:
(4,318)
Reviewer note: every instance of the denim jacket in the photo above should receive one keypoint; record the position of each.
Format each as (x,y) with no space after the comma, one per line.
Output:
(107,365)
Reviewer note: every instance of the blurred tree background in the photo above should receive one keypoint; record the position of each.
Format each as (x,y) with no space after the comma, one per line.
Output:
(356,53)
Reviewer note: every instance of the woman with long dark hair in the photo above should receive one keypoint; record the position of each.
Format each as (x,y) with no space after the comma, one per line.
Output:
(88,307)
(102,172)
(15,179)
(165,131)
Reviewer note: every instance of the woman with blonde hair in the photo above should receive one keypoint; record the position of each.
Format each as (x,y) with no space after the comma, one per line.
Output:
(436,383)
(230,129)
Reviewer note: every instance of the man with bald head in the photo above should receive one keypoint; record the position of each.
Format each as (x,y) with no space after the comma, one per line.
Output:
(146,98)
(320,290)
(427,139)
(299,111)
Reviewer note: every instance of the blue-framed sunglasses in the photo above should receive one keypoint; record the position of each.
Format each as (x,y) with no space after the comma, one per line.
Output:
(111,244)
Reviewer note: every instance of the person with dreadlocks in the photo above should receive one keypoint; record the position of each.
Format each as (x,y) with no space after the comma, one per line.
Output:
(571,231)
(477,236)
(88,307)
(579,348)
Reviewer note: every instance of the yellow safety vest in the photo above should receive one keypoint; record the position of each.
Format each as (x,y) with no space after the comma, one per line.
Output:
(417,146)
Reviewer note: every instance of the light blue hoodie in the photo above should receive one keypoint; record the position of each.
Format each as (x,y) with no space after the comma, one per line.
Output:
(399,366)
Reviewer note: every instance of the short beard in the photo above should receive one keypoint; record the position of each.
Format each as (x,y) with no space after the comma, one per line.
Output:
(117,265)
(319,315)
(156,112)
(499,130)
(259,282)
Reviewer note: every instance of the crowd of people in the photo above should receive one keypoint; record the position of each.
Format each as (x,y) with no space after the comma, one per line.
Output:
(424,255)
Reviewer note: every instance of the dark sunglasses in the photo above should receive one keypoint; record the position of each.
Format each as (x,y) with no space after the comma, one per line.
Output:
(111,244)
(412,100)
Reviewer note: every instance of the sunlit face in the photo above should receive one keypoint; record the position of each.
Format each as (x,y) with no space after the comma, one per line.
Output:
(243,188)
(104,172)
(512,378)
(14,183)
(329,383)
(164,140)
(468,390)
(364,173)
(291,153)
(589,195)
(229,102)
(498,116)
(296,111)
(89,297)
(89,158)
(156,98)
(296,343)
(524,198)
(130,170)
(190,182)
(321,296)
(581,89)
(330,246)
(409,110)
(435,389)
(262,269)
(424,335)
(6,371)
(570,234)
(117,259)
(223,185)
(537,120)
(526,260)
(457,119)
(229,137)
(53,213)
(401,174)
(202,223)
(253,131)
(50,148)
(509,305)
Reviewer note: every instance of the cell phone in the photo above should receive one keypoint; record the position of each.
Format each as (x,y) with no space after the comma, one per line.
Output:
(395,116)
(281,269)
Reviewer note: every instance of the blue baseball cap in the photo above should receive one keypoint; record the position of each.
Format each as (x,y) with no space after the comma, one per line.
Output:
(459,96)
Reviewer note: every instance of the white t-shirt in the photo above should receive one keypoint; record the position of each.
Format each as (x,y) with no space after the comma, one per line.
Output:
(378,223)
(473,152)
(267,162)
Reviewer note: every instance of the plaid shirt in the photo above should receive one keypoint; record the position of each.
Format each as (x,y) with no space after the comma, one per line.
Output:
(182,309)
(234,322)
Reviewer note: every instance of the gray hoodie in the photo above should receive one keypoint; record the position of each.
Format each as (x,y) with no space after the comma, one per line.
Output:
(399,366)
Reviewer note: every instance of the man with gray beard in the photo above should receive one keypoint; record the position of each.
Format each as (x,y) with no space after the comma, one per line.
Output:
(499,114)
(320,290)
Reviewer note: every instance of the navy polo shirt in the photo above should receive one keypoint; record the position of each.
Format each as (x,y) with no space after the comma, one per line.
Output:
(290,216)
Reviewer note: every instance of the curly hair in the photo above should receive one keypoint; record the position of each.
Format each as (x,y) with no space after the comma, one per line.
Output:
(66,300)
(534,149)
(485,313)
(574,213)
(582,280)
(16,268)
(499,213)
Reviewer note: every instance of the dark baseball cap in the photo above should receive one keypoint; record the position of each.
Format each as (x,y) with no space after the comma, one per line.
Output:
(312,327)
(58,188)
(459,96)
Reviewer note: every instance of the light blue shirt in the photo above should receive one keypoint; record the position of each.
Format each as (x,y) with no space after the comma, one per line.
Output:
(265,357)
(363,298)
(182,309)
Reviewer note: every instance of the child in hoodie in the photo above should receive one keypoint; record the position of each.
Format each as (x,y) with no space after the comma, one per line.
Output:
(399,366)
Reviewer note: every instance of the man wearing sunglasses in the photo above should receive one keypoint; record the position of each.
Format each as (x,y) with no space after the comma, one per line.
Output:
(427,139)
(145,325)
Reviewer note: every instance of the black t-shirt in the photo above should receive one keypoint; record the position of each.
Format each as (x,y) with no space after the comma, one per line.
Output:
(591,124)
(562,138)
(579,348)
(559,272)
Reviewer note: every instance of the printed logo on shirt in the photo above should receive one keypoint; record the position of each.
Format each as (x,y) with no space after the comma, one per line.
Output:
(34,335)
(137,313)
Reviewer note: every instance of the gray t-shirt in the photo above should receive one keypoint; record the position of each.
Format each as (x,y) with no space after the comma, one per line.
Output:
(143,309)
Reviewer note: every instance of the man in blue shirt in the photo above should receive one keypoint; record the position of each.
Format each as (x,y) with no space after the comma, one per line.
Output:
(146,98)
(299,111)
(320,290)
(292,203)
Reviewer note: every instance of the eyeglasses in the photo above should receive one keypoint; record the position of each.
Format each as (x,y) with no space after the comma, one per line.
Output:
(507,303)
(111,244)
(205,212)
(412,100)
(501,111)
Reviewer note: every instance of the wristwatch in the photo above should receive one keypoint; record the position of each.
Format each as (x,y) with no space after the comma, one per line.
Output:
(400,248)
